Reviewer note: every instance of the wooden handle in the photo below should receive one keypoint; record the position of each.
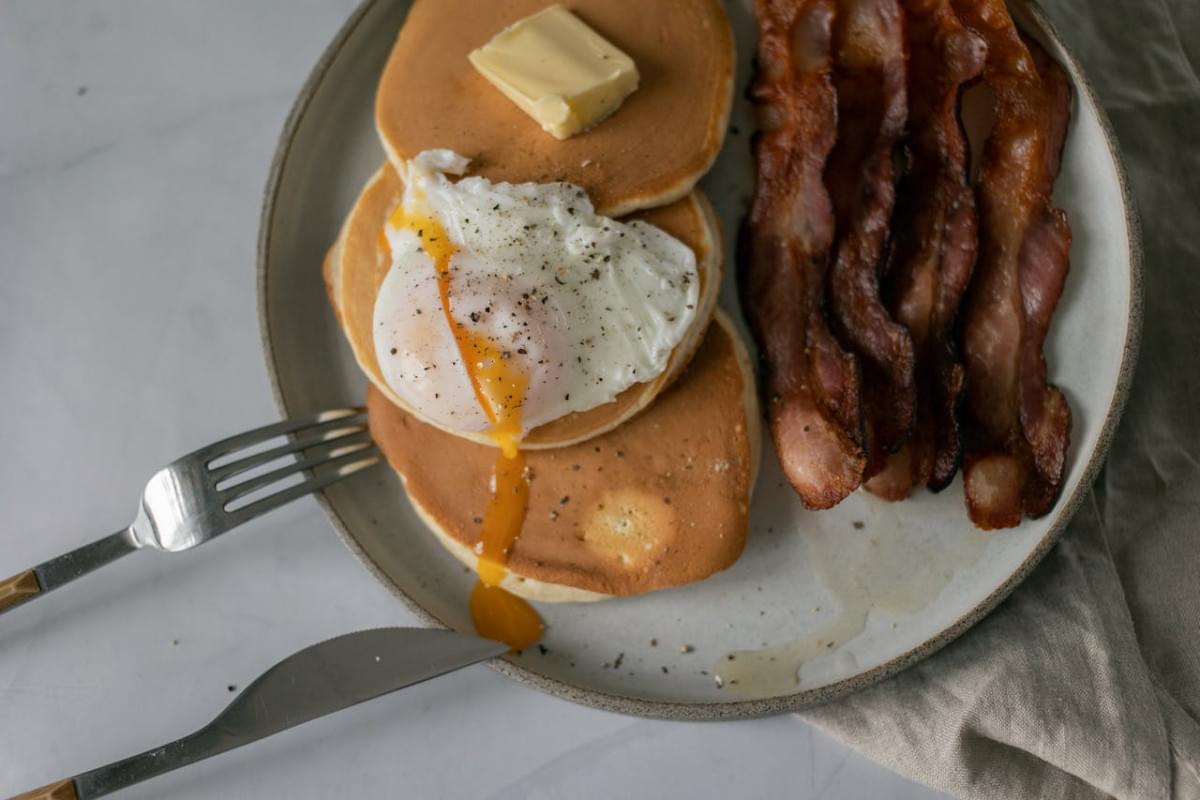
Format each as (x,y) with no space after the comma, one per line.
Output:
(60,790)
(18,589)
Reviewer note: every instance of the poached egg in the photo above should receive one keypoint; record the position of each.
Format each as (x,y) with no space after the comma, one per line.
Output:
(508,306)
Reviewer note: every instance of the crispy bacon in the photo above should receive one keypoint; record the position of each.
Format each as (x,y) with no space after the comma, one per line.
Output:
(934,242)
(812,385)
(869,76)
(1017,425)
(1045,261)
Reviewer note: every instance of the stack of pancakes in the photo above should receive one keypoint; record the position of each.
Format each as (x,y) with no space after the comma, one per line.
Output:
(647,491)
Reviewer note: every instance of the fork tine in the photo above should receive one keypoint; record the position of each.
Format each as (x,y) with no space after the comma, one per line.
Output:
(369,457)
(326,435)
(336,456)
(259,435)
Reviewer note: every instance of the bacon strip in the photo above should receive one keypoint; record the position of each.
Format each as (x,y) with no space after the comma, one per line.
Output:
(869,75)
(1018,426)
(935,242)
(1045,261)
(812,385)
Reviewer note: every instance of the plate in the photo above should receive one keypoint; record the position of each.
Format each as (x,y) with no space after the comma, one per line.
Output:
(850,595)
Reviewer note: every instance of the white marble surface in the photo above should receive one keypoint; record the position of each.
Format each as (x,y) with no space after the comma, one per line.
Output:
(134,141)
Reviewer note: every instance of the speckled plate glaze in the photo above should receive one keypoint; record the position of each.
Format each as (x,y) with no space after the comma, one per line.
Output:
(915,572)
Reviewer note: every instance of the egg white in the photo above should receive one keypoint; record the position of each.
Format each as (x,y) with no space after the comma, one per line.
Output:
(585,305)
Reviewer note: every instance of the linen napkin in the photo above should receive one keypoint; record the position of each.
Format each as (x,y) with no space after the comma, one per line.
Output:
(1086,681)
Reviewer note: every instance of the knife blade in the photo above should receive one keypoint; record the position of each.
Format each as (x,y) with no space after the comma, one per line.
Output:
(318,680)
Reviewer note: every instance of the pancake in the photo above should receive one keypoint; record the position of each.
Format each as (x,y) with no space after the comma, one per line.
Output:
(649,153)
(661,501)
(358,262)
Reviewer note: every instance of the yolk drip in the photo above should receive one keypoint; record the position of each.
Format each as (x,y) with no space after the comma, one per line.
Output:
(499,387)
(504,617)
(503,518)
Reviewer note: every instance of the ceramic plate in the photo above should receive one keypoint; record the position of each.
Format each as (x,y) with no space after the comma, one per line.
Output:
(848,596)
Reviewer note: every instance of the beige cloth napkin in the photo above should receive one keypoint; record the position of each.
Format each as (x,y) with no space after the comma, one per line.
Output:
(1086,681)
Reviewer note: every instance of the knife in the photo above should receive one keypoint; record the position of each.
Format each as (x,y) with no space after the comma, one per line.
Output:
(318,680)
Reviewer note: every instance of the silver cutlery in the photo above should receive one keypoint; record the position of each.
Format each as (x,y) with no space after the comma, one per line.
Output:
(215,489)
(311,683)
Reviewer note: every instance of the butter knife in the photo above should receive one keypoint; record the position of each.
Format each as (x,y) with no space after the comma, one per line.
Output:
(311,683)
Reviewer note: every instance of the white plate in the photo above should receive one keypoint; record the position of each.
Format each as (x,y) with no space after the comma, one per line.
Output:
(912,575)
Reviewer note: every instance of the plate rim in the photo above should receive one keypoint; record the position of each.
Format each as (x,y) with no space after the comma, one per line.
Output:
(735,709)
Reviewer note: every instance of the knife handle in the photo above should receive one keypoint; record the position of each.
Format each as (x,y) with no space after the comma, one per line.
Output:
(59,790)
(18,589)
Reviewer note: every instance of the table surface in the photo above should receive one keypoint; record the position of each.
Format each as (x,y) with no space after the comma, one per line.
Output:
(135,139)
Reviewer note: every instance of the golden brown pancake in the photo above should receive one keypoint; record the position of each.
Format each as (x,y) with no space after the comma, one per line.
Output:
(358,262)
(649,153)
(661,501)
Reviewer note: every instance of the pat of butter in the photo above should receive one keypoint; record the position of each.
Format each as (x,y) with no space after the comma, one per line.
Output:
(557,70)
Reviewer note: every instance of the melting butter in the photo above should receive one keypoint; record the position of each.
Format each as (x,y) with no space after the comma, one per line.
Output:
(865,570)
(558,71)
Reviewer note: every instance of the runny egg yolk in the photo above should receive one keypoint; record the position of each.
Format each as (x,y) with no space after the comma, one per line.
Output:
(500,387)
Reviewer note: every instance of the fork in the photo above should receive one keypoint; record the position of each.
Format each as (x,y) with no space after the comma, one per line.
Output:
(216,489)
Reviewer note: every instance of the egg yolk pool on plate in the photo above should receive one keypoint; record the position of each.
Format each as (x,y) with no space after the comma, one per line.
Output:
(508,306)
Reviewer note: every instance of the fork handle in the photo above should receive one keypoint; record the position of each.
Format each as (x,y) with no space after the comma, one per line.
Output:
(49,575)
